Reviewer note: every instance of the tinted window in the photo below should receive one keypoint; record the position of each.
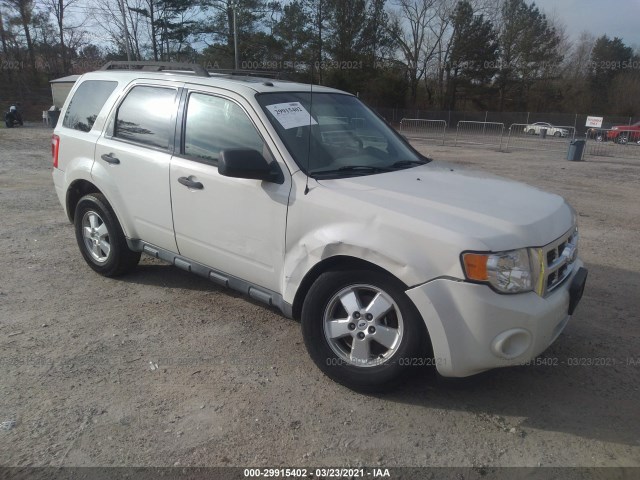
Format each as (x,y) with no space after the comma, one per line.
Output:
(86,104)
(145,116)
(214,124)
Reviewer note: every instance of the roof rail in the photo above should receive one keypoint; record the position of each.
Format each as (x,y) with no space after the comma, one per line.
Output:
(174,67)
(248,73)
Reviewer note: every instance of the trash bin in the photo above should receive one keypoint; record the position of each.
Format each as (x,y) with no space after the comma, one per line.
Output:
(53,118)
(543,133)
(576,150)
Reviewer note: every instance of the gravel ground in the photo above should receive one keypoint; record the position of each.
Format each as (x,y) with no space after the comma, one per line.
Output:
(162,368)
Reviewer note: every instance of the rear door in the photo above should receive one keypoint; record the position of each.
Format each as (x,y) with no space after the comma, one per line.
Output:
(234,225)
(133,159)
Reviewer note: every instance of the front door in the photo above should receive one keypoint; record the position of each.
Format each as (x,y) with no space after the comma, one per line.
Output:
(236,226)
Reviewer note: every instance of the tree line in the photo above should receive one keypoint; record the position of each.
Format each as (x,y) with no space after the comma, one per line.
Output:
(504,55)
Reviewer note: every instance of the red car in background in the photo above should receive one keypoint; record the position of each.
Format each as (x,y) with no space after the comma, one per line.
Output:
(625,133)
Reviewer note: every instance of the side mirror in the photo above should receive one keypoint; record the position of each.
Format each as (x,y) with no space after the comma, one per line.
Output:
(248,163)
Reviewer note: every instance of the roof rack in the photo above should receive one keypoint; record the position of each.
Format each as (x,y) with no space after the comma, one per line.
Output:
(248,73)
(174,67)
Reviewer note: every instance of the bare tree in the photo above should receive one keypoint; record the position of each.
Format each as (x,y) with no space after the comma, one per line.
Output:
(58,9)
(3,37)
(24,12)
(410,26)
(437,50)
(108,16)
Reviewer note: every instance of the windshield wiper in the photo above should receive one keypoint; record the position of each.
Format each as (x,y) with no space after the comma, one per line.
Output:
(352,169)
(409,163)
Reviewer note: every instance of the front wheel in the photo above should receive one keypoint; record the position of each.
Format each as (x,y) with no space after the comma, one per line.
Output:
(531,131)
(622,139)
(100,237)
(361,329)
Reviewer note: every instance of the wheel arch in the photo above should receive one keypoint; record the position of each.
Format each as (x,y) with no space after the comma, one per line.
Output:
(337,262)
(77,190)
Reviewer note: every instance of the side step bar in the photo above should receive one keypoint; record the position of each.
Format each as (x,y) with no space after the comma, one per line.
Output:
(220,278)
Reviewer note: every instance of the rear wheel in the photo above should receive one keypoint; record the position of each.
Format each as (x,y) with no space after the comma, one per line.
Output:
(100,237)
(622,139)
(361,329)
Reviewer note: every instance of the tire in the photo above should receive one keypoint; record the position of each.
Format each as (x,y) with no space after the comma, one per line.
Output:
(531,131)
(557,134)
(100,237)
(622,139)
(374,366)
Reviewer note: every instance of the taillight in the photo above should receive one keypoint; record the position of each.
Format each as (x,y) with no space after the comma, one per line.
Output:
(55,147)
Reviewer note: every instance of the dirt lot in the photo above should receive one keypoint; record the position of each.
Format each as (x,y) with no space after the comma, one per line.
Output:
(233,384)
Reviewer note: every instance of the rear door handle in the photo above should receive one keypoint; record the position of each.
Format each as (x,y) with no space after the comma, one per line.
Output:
(186,181)
(109,158)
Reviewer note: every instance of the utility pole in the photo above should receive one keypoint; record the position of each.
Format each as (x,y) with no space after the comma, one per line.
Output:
(126,31)
(235,34)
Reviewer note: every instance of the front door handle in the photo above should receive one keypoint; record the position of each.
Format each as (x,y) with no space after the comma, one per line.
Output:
(109,158)
(186,181)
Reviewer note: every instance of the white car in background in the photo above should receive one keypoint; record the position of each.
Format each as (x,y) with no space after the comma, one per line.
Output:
(536,129)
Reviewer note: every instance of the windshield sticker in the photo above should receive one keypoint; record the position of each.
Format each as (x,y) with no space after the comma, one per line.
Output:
(291,115)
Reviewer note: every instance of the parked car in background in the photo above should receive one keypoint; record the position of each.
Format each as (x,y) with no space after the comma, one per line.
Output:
(625,133)
(536,129)
(597,134)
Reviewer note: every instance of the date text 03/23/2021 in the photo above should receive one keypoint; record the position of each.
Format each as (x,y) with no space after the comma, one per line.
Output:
(316,473)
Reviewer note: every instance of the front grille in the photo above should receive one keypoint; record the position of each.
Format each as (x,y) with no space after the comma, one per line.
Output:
(557,261)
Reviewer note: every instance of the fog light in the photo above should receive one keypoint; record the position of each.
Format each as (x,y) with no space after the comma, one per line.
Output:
(512,343)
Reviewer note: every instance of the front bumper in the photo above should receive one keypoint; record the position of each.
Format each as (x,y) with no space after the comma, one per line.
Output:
(474,329)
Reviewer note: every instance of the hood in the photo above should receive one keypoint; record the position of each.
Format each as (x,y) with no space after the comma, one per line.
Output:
(499,214)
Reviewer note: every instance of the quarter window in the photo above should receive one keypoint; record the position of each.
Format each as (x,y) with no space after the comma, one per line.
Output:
(86,104)
(145,116)
(214,124)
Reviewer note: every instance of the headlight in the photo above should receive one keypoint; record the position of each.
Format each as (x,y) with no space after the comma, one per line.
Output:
(506,272)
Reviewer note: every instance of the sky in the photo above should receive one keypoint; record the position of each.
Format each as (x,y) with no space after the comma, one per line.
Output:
(615,18)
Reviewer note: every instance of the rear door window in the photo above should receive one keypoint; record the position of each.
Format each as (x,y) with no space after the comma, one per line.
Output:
(145,116)
(86,104)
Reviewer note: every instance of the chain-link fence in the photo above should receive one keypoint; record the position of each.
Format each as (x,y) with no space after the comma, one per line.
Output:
(539,137)
(452,117)
(618,142)
(618,137)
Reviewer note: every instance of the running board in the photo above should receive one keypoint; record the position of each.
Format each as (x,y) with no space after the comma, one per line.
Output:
(220,278)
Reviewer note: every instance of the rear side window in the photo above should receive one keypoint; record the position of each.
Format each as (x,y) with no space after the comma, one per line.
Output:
(145,116)
(86,104)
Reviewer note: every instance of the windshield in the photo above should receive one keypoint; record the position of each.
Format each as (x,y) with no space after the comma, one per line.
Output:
(346,138)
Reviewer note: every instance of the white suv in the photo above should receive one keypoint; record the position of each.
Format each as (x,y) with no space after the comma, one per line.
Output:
(303,198)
